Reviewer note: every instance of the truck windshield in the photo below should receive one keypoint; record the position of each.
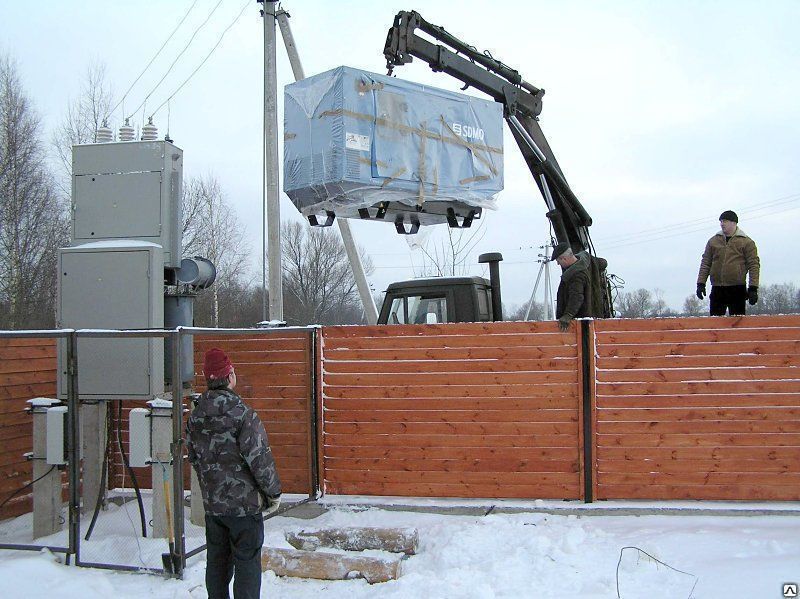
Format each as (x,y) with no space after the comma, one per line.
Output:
(418,309)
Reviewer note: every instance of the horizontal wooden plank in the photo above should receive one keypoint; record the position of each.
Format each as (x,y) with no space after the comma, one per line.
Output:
(708,492)
(569,403)
(702,440)
(495,490)
(720,373)
(15,431)
(465,478)
(20,365)
(452,428)
(346,440)
(699,336)
(28,378)
(36,352)
(437,341)
(569,454)
(684,414)
(463,391)
(699,478)
(732,400)
(698,466)
(448,366)
(476,416)
(453,465)
(695,323)
(660,362)
(451,353)
(700,387)
(431,379)
(427,330)
(720,348)
(27,342)
(287,343)
(733,454)
(699,427)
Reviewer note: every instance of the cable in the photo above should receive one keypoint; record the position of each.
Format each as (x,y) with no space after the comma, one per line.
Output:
(196,31)
(130,471)
(151,60)
(219,41)
(103,478)
(696,578)
(22,488)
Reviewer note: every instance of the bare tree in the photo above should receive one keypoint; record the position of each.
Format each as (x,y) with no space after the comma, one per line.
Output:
(636,304)
(693,306)
(32,221)
(780,298)
(83,118)
(318,284)
(448,255)
(212,230)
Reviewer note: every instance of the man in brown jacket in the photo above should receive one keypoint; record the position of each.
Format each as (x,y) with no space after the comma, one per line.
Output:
(729,256)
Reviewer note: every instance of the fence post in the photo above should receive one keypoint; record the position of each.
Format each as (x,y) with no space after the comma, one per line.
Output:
(73,447)
(587,378)
(177,453)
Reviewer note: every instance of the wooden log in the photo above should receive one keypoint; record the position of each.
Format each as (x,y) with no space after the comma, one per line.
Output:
(357,538)
(328,566)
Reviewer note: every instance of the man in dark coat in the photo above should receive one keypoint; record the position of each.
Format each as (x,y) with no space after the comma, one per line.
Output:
(229,449)
(574,295)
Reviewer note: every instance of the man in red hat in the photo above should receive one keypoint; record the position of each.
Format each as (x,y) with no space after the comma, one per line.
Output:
(229,449)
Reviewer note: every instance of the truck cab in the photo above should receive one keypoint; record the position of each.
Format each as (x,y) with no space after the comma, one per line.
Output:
(437,300)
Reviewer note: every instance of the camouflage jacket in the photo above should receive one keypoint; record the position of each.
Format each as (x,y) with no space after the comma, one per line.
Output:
(229,449)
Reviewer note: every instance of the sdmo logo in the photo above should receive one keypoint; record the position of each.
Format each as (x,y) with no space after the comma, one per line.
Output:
(468,131)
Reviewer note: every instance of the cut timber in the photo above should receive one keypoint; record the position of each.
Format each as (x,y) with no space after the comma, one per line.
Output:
(328,566)
(394,540)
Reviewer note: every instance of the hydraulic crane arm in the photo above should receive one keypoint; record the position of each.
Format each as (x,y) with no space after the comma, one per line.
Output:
(522,104)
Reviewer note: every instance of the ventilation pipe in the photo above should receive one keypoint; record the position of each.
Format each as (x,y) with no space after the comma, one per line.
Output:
(494,259)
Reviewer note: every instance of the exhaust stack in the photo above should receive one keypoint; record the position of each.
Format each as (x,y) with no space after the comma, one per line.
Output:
(494,259)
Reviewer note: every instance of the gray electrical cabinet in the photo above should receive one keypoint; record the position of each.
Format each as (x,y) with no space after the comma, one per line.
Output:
(107,285)
(128,190)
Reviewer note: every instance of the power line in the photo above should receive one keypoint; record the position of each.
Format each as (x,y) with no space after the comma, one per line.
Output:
(152,59)
(177,58)
(219,41)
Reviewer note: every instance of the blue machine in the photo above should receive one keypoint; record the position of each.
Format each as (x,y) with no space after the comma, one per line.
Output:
(362,145)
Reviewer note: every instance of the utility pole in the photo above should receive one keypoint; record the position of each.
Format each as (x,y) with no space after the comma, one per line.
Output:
(544,268)
(271,229)
(370,311)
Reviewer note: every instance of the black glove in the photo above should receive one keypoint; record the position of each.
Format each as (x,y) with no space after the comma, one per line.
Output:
(752,294)
(701,290)
(563,323)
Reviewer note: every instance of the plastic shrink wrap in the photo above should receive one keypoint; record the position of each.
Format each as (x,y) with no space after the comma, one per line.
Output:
(362,145)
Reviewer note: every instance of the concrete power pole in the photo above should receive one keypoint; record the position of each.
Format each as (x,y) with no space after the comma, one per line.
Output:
(370,311)
(271,230)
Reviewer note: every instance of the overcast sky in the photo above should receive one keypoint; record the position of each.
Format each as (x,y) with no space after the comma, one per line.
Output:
(661,115)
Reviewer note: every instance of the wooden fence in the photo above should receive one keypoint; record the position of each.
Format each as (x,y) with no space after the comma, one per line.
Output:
(698,408)
(27,370)
(685,408)
(456,410)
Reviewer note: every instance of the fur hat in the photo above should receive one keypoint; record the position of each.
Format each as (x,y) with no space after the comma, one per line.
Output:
(216,364)
(729,215)
(559,249)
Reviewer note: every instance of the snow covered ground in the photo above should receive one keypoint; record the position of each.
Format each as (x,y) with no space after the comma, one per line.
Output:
(511,555)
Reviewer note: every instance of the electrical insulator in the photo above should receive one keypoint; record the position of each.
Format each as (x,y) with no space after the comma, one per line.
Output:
(126,132)
(104,134)
(149,131)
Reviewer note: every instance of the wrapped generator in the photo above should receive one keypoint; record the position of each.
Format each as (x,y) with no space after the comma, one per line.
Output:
(362,145)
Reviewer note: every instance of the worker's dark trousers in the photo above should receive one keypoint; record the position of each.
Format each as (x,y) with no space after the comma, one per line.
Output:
(234,546)
(730,297)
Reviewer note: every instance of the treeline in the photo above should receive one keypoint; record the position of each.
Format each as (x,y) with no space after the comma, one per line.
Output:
(35,188)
